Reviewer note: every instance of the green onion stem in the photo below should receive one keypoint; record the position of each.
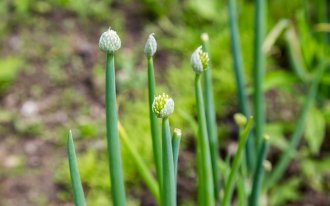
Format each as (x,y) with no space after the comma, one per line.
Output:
(115,164)
(258,174)
(141,166)
(211,120)
(258,71)
(155,133)
(168,186)
(176,139)
(295,138)
(78,192)
(239,76)
(241,190)
(229,185)
(205,159)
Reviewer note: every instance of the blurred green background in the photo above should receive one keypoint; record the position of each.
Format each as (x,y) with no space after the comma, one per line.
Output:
(52,80)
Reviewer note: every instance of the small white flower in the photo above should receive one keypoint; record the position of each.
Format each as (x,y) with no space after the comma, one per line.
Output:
(150,47)
(109,41)
(163,106)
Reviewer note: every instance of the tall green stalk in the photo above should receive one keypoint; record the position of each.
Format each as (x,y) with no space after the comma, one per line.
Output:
(155,134)
(258,71)
(239,76)
(296,136)
(149,50)
(163,107)
(206,169)
(258,174)
(176,139)
(78,192)
(109,43)
(229,185)
(211,120)
(115,164)
(199,62)
(169,194)
(141,166)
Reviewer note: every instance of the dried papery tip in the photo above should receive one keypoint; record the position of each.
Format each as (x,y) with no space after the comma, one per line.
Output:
(150,47)
(109,41)
(205,37)
(199,60)
(178,132)
(163,106)
(266,137)
(267,165)
(240,119)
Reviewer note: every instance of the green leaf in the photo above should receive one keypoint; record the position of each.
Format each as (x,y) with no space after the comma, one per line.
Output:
(78,192)
(315,129)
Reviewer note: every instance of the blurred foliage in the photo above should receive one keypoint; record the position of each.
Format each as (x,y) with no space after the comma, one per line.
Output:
(9,68)
(58,40)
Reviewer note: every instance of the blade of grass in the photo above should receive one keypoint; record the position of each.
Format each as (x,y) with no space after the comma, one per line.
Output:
(258,71)
(229,185)
(239,76)
(298,132)
(294,53)
(258,173)
(115,164)
(78,192)
(211,120)
(141,166)
(274,34)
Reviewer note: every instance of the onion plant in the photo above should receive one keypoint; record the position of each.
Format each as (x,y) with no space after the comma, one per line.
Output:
(176,139)
(259,172)
(109,43)
(229,184)
(78,192)
(150,49)
(163,107)
(211,119)
(258,71)
(199,62)
(239,76)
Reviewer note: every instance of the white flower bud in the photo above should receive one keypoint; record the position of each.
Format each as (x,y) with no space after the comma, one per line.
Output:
(163,106)
(109,41)
(150,47)
(199,60)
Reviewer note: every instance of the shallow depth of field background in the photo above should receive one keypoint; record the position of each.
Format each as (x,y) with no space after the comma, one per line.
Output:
(52,80)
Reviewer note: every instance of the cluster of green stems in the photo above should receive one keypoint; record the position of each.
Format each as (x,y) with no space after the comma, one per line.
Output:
(247,165)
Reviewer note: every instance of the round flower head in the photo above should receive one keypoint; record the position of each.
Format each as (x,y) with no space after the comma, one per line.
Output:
(163,106)
(109,41)
(199,60)
(150,47)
